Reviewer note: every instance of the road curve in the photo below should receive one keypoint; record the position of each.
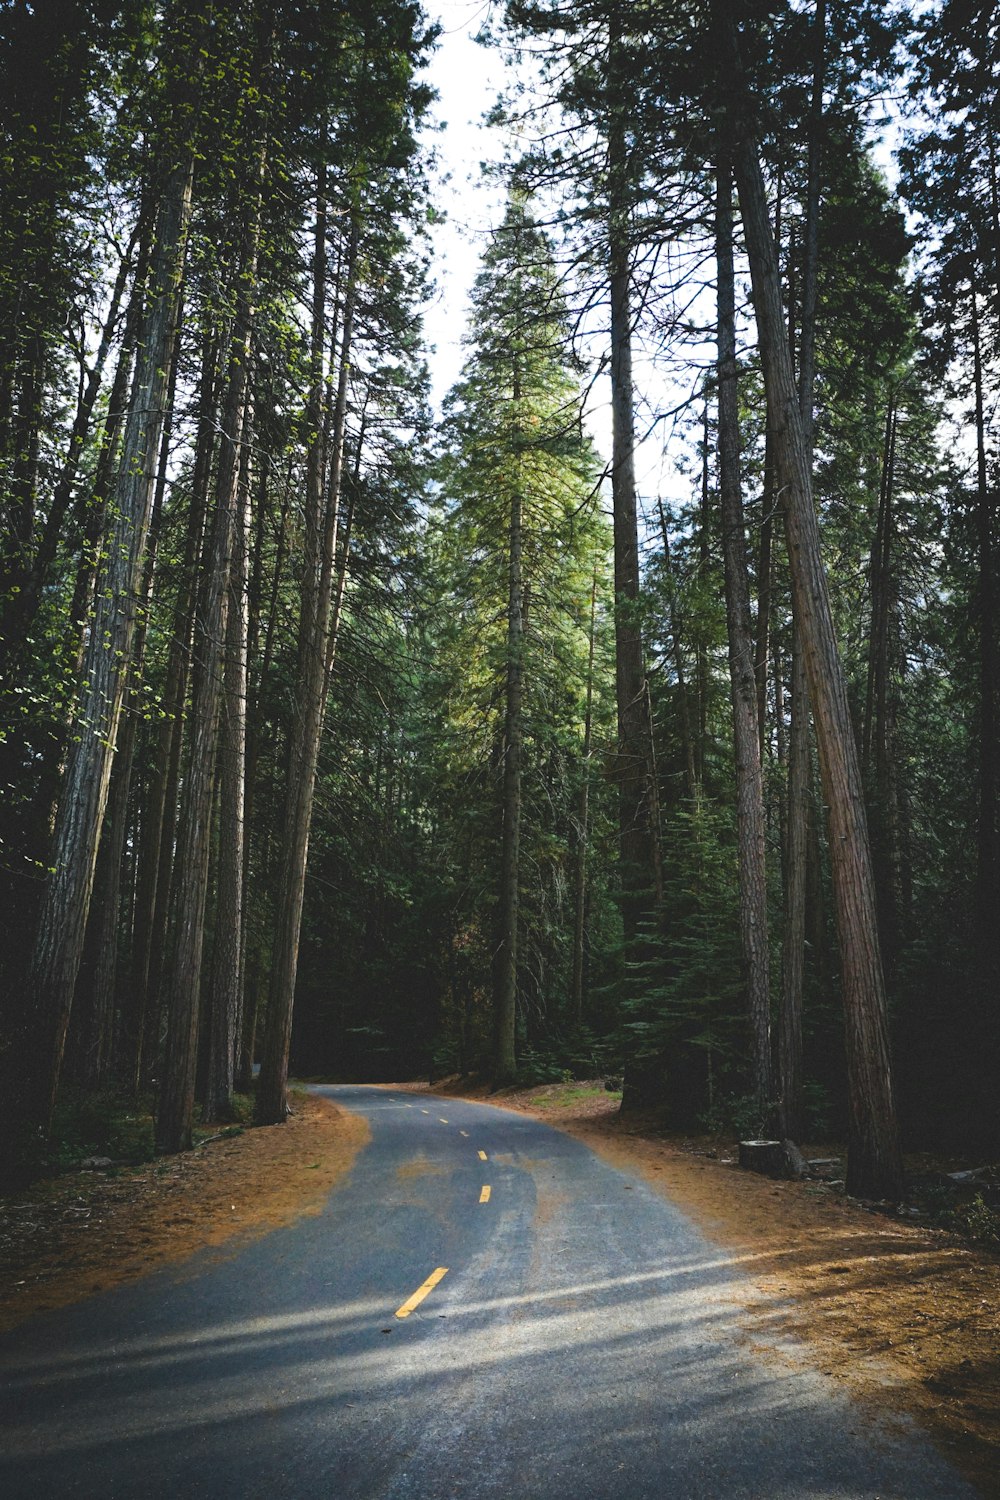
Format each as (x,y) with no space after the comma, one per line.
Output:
(566,1335)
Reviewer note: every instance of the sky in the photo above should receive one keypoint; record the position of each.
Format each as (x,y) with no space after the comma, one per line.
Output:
(468,79)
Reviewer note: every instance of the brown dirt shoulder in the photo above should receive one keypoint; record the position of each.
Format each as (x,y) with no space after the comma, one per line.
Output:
(906,1316)
(74,1235)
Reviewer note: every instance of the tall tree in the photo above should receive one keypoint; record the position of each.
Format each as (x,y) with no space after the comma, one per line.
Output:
(519,468)
(386,101)
(875,1161)
(176,1103)
(640,850)
(751,828)
(83,797)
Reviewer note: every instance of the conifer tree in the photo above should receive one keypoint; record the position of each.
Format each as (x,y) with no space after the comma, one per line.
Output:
(520,476)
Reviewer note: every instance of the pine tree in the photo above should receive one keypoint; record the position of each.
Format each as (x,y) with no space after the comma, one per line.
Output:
(521,478)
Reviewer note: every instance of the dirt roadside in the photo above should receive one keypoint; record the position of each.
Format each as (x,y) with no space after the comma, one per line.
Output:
(70,1236)
(907,1317)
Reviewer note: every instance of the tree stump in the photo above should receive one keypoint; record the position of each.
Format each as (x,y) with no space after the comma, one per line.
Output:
(766,1157)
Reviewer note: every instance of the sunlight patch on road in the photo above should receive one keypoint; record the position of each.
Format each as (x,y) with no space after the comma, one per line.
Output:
(421,1292)
(220,1340)
(558,1317)
(419,1166)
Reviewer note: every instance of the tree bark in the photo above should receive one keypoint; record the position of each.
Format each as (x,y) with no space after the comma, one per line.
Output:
(156,854)
(676,633)
(505,963)
(750,821)
(226,988)
(762,635)
(20,605)
(82,804)
(176,1101)
(704,550)
(640,866)
(874,1162)
(988,831)
(794,932)
(105,925)
(796,867)
(583,831)
(879,748)
(314,634)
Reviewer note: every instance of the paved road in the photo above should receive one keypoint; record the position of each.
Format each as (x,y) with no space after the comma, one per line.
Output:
(584,1341)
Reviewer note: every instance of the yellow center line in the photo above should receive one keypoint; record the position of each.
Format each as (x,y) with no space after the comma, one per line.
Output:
(442,1119)
(421,1292)
(465,1133)
(425,1111)
(483,1156)
(484,1196)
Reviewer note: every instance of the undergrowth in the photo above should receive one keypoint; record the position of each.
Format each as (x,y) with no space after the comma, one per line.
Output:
(107,1124)
(976,1221)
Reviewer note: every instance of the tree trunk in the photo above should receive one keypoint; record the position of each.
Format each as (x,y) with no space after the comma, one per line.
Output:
(20,606)
(640,872)
(794,932)
(796,865)
(105,921)
(314,634)
(226,989)
(687,736)
(879,748)
(750,821)
(583,832)
(765,568)
(82,804)
(701,663)
(505,967)
(810,249)
(988,833)
(875,1162)
(156,855)
(93,511)
(344,563)
(176,1101)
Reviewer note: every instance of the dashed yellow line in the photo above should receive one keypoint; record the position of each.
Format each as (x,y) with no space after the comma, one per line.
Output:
(442,1119)
(421,1292)
(425,1111)
(484,1196)
(465,1133)
(483,1156)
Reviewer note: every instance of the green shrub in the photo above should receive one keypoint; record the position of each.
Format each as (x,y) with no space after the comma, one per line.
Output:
(978,1220)
(738,1115)
(535,1068)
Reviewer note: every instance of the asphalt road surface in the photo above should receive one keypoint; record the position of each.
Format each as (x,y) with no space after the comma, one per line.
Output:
(484,1309)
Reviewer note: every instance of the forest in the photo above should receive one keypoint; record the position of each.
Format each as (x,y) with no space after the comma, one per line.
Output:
(352,738)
